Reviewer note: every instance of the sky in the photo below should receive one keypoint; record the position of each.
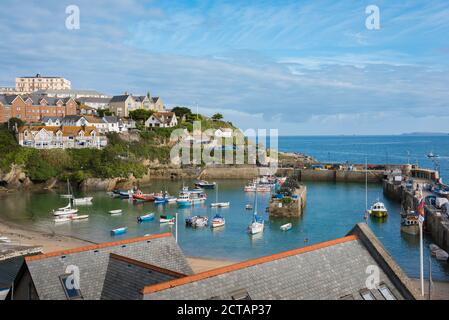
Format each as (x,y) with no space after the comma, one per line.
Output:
(302,67)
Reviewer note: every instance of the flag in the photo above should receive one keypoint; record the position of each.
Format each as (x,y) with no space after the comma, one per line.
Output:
(421,209)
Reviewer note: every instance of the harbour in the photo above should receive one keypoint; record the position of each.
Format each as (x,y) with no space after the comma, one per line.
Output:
(331,210)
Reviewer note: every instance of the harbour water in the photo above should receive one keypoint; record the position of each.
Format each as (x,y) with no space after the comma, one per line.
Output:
(332,210)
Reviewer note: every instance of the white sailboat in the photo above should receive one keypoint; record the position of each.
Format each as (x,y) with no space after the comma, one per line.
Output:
(217,204)
(257,225)
(67,210)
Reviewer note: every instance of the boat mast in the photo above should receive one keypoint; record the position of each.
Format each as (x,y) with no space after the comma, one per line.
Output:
(216,193)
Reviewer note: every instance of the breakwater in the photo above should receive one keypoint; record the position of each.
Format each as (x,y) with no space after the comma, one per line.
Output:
(294,207)
(436,223)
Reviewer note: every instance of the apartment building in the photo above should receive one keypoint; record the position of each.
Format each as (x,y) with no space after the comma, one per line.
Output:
(39,82)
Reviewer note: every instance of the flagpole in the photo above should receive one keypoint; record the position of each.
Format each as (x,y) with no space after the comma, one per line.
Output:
(421,258)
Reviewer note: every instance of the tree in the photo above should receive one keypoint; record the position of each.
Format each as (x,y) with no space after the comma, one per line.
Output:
(182,111)
(217,116)
(13,122)
(104,112)
(140,115)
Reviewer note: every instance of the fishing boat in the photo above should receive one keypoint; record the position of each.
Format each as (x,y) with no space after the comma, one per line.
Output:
(218,221)
(217,204)
(286,227)
(167,219)
(147,217)
(118,231)
(258,187)
(205,184)
(378,210)
(67,210)
(117,211)
(81,201)
(409,222)
(190,197)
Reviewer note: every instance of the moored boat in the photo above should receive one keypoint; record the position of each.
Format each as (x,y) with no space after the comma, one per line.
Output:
(65,210)
(80,201)
(205,184)
(146,217)
(118,231)
(378,210)
(80,217)
(143,197)
(220,204)
(256,226)
(167,219)
(218,221)
(286,227)
(117,211)
(190,197)
(409,223)
(249,207)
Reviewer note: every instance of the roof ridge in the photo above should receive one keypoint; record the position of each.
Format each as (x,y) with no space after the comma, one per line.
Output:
(245,264)
(96,246)
(147,265)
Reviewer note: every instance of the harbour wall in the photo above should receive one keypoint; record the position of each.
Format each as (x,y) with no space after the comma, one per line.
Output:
(374,176)
(435,223)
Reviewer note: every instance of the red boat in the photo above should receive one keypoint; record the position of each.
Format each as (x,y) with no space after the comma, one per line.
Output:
(139,196)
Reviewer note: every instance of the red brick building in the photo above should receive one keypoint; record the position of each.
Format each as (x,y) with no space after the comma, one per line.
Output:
(32,108)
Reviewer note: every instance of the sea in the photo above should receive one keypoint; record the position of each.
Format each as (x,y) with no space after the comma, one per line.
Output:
(332,208)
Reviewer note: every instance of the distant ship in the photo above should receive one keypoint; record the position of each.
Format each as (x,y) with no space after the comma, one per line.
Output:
(431,155)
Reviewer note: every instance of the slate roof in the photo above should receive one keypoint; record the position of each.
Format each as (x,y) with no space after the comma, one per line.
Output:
(93,100)
(95,261)
(110,119)
(331,270)
(125,278)
(121,98)
(36,98)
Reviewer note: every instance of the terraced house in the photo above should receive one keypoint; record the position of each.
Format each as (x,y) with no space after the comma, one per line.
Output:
(62,137)
(32,108)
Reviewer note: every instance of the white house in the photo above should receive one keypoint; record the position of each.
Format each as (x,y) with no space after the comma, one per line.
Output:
(162,120)
(223,133)
(52,121)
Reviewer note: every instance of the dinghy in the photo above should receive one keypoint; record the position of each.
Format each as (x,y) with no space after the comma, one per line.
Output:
(80,217)
(118,231)
(147,217)
(286,227)
(118,211)
(166,219)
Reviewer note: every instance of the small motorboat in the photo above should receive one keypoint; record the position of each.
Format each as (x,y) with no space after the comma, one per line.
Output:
(205,184)
(432,155)
(118,231)
(218,221)
(81,201)
(200,221)
(249,207)
(220,204)
(66,196)
(167,219)
(126,194)
(286,227)
(118,211)
(139,196)
(171,199)
(378,210)
(147,217)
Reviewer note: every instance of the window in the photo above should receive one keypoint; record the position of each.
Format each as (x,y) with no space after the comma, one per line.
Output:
(386,293)
(367,295)
(241,294)
(67,284)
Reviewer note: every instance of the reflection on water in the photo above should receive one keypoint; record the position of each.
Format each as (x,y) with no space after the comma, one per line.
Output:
(332,211)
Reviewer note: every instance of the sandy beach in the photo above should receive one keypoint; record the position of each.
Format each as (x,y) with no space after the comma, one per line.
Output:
(54,242)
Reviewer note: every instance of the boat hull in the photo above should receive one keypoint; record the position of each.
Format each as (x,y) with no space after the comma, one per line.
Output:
(378,213)
(411,229)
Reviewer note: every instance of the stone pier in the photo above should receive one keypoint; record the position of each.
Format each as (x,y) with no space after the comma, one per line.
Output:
(289,207)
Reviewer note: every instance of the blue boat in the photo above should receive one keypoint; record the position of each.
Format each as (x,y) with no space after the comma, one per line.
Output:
(147,217)
(160,200)
(118,231)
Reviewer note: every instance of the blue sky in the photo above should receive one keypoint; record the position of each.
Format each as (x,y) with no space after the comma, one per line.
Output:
(305,67)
